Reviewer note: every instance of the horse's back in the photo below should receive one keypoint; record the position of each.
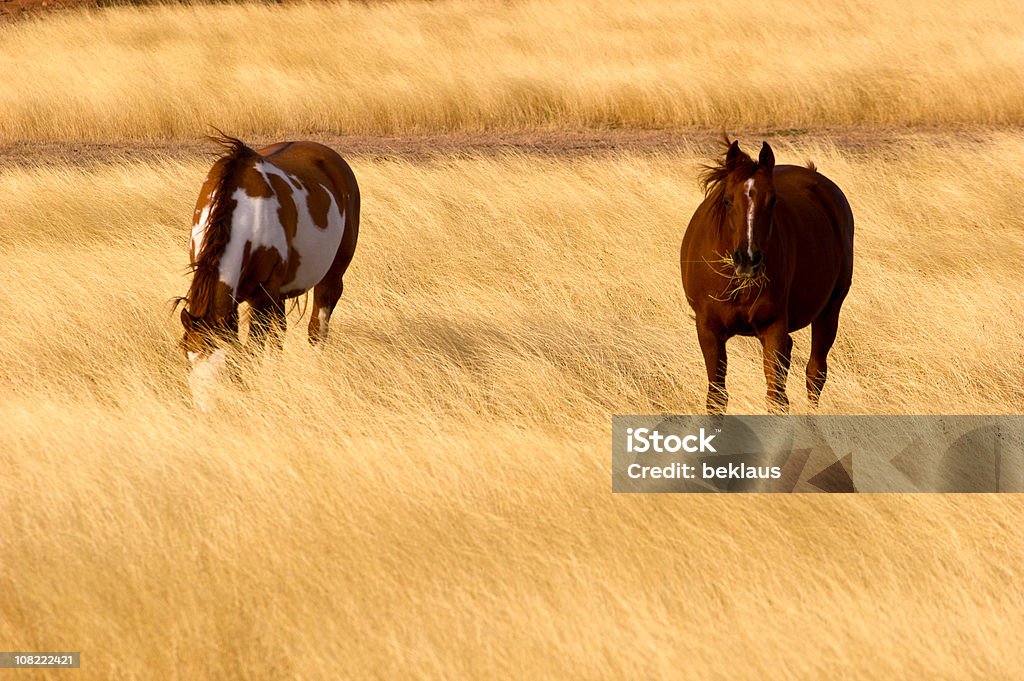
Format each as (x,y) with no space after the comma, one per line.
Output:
(303,159)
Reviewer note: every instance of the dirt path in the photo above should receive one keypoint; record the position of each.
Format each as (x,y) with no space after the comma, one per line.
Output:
(16,9)
(546,143)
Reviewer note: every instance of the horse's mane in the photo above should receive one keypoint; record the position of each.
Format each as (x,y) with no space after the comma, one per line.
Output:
(206,268)
(713,176)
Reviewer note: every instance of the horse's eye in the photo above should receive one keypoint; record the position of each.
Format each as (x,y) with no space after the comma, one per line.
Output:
(727,202)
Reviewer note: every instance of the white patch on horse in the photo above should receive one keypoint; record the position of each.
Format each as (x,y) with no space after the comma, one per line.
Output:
(254,221)
(324,321)
(749,185)
(199,230)
(205,376)
(315,247)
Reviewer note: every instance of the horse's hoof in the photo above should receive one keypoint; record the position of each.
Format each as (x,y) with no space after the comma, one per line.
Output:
(778,404)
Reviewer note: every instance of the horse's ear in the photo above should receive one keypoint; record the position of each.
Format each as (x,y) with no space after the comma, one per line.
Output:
(733,155)
(187,320)
(766,159)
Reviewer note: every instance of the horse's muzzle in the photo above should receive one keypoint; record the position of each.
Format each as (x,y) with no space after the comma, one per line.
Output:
(747,265)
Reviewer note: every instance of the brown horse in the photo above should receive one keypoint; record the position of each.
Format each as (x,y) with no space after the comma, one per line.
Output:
(270,224)
(768,251)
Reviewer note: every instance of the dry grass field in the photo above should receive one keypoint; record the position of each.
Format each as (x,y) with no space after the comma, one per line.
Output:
(454,65)
(429,495)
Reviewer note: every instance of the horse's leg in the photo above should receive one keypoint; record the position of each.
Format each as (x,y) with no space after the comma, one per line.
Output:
(327,293)
(777,347)
(325,297)
(823,335)
(268,320)
(715,361)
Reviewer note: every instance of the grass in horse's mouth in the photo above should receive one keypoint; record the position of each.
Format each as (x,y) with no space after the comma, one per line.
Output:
(737,283)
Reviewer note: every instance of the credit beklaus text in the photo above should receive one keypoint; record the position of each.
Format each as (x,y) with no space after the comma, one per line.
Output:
(645,441)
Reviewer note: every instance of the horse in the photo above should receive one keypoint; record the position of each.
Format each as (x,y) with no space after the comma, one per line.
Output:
(270,224)
(767,252)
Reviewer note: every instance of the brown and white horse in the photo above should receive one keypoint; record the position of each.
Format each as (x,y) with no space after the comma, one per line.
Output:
(270,224)
(769,251)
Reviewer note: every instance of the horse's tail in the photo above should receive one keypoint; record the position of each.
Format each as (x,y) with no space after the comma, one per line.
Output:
(295,304)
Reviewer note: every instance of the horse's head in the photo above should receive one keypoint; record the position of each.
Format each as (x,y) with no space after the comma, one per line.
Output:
(204,335)
(205,345)
(748,202)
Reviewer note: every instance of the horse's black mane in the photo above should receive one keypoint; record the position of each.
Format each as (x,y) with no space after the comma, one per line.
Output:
(206,268)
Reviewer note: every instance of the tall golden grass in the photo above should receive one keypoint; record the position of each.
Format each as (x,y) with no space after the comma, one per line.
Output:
(440,66)
(428,496)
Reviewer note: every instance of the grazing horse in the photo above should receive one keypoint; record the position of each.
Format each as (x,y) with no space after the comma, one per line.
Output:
(270,224)
(768,251)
